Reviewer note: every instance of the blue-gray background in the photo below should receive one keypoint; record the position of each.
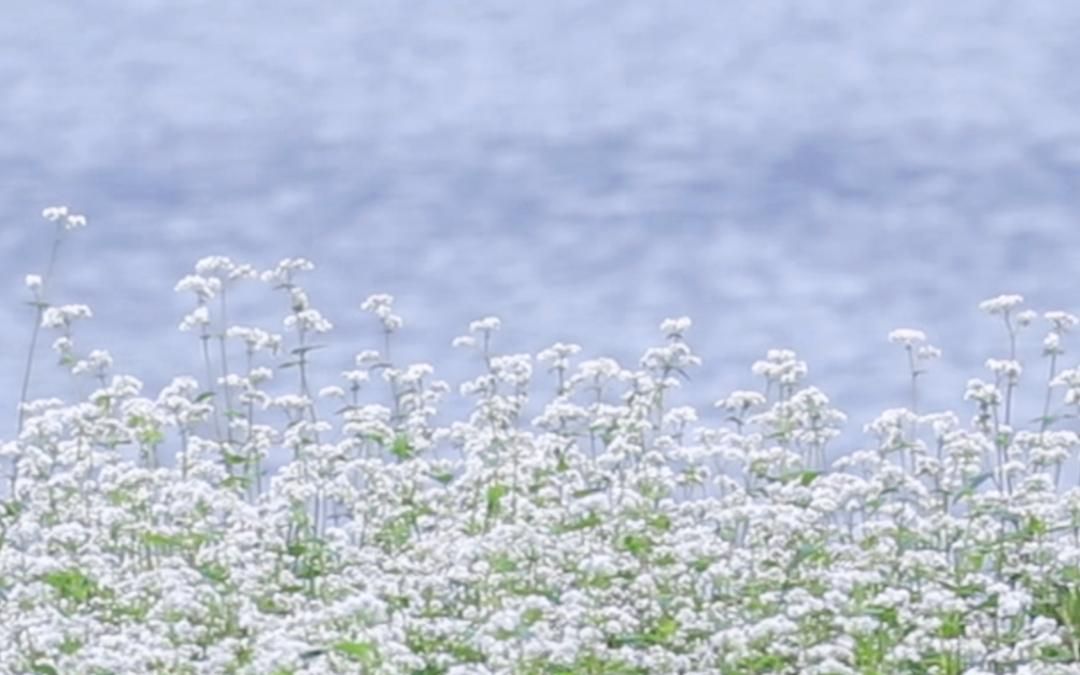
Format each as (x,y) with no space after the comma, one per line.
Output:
(789,174)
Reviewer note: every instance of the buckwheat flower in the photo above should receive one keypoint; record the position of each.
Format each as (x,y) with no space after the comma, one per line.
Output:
(298,299)
(907,337)
(260,374)
(416,372)
(513,368)
(463,341)
(256,339)
(204,288)
(292,402)
(308,320)
(741,400)
(558,354)
(598,370)
(377,302)
(1070,379)
(1061,322)
(198,318)
(674,328)
(781,365)
(381,305)
(1001,304)
(355,377)
(74,221)
(927,353)
(392,322)
(54,213)
(63,316)
(485,325)
(214,265)
(282,274)
(332,392)
(982,392)
(368,357)
(97,361)
(34,284)
(1052,344)
(63,345)
(1005,368)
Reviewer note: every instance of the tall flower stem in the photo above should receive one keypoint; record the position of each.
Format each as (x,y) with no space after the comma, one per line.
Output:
(40,305)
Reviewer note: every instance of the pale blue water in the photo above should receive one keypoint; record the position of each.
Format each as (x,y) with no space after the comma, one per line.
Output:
(789,174)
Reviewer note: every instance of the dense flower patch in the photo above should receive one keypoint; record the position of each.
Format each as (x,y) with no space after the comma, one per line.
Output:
(612,532)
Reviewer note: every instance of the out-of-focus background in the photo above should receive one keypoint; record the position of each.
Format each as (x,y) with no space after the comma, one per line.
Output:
(787,173)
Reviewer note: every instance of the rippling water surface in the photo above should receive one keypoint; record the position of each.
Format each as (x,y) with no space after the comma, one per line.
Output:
(789,174)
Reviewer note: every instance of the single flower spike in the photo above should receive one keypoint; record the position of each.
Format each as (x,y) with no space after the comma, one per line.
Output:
(1061,322)
(59,317)
(1001,304)
(907,337)
(485,325)
(54,213)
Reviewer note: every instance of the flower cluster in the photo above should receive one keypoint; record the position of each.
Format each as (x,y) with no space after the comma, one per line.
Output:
(225,526)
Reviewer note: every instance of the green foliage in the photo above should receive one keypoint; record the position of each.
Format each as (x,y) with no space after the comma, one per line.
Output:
(72,585)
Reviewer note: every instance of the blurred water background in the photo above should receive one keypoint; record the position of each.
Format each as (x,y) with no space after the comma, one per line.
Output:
(795,173)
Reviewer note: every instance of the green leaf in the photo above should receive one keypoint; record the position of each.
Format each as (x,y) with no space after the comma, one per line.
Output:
(976,481)
(299,351)
(69,646)
(495,493)
(444,477)
(401,448)
(637,544)
(214,572)
(503,563)
(71,585)
(364,652)
(583,523)
(163,540)
(661,522)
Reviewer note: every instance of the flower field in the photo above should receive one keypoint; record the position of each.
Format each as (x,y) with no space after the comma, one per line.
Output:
(251,518)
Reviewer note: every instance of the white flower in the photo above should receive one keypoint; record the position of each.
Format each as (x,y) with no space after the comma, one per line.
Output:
(1005,367)
(1052,344)
(198,318)
(927,353)
(367,357)
(60,317)
(1001,304)
(54,213)
(1026,317)
(1061,322)
(675,327)
(741,400)
(485,325)
(908,337)
(33,283)
(355,377)
(282,275)
(377,302)
(204,288)
(260,374)
(214,265)
(308,320)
